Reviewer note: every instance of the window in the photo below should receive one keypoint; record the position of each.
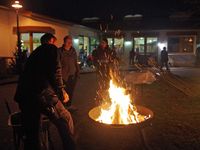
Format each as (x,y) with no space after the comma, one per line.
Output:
(93,43)
(181,44)
(36,39)
(152,44)
(139,44)
(119,44)
(81,43)
(110,42)
(25,39)
(30,41)
(84,44)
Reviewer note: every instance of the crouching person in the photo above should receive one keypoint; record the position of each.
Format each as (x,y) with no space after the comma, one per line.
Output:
(53,108)
(40,90)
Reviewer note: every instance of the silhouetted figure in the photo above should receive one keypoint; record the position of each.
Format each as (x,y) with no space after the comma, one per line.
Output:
(137,55)
(198,56)
(40,91)
(132,57)
(104,59)
(164,58)
(70,68)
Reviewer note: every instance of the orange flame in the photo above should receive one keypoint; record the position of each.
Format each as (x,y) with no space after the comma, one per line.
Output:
(120,110)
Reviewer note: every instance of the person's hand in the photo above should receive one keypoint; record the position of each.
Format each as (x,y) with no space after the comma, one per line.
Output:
(65,96)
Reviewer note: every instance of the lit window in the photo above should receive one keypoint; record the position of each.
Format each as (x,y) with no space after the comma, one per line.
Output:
(30,41)
(139,44)
(152,44)
(181,44)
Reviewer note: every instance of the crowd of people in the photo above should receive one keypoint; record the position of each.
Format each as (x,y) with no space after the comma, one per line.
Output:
(47,83)
(46,87)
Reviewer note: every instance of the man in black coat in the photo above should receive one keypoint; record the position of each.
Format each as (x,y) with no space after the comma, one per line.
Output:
(40,91)
(164,58)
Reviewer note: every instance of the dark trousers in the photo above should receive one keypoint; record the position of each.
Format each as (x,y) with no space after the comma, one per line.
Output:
(131,60)
(60,117)
(69,88)
(164,63)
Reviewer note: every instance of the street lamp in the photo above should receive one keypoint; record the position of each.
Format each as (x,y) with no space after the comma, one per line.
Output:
(16,5)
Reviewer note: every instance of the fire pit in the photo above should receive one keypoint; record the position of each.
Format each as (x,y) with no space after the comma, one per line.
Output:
(143,111)
(119,119)
(119,109)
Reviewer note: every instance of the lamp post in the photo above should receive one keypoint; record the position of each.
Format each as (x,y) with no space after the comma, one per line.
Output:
(16,5)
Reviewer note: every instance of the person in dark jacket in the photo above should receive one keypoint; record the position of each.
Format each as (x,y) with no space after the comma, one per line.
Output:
(40,90)
(105,61)
(164,58)
(70,68)
(132,57)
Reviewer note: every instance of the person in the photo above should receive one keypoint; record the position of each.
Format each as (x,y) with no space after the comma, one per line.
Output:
(90,60)
(137,55)
(70,69)
(198,56)
(40,90)
(104,60)
(131,57)
(81,56)
(164,58)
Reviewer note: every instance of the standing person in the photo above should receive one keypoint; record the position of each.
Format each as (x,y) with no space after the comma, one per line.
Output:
(164,58)
(132,57)
(198,56)
(70,68)
(137,55)
(104,60)
(40,91)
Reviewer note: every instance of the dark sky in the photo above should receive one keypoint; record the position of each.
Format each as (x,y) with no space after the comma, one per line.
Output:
(75,10)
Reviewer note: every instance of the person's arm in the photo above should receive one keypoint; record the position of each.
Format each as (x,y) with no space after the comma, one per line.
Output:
(55,74)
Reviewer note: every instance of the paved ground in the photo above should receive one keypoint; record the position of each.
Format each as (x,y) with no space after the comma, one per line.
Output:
(162,99)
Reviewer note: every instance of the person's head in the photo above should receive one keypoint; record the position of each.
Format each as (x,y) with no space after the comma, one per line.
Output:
(104,43)
(48,38)
(67,41)
(164,48)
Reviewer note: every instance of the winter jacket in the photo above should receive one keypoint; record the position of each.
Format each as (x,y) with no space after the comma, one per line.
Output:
(42,71)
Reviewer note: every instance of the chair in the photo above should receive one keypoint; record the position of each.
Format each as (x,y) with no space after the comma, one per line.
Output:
(14,121)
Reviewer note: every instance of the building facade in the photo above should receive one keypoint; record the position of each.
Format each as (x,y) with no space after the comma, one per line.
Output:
(181,44)
(32,26)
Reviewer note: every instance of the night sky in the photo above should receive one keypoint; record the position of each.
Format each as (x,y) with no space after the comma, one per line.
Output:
(76,10)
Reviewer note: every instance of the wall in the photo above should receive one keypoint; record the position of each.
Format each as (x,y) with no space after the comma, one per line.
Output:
(8,39)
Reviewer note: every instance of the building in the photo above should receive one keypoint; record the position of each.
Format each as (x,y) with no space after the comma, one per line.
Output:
(149,36)
(32,26)
(180,35)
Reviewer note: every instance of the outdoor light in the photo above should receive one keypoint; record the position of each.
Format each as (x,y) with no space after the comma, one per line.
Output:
(76,41)
(128,43)
(17,5)
(190,40)
(161,45)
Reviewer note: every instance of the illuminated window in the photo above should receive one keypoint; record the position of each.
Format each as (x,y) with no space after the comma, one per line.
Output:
(110,42)
(181,44)
(139,43)
(87,44)
(93,44)
(30,41)
(25,38)
(152,44)
(36,39)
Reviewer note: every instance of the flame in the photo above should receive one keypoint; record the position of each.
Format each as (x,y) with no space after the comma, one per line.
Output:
(120,110)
